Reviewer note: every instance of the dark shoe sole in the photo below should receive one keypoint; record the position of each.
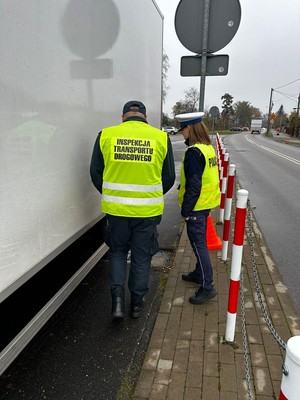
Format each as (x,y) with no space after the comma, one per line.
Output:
(194,300)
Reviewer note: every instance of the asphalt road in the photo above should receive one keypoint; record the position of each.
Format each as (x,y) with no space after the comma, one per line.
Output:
(270,171)
(81,353)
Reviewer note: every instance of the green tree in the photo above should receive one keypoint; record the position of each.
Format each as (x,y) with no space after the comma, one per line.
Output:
(178,108)
(165,119)
(281,118)
(227,108)
(244,112)
(293,124)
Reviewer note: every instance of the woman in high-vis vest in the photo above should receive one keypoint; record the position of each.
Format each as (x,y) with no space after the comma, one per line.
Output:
(132,166)
(199,192)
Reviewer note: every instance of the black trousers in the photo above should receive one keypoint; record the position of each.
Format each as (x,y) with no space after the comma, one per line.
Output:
(140,236)
(196,230)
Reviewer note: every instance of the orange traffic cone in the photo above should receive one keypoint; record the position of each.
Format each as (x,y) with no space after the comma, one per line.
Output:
(213,241)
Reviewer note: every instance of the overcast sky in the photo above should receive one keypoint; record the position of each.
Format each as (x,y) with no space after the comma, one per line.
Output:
(264,54)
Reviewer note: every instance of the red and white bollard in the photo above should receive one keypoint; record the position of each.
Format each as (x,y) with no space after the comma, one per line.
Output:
(223,151)
(236,263)
(227,211)
(223,187)
(218,143)
(290,384)
(219,156)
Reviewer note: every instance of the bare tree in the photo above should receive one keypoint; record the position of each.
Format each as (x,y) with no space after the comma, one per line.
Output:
(165,69)
(189,104)
(191,99)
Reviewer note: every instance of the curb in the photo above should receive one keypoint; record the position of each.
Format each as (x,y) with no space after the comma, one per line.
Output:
(187,357)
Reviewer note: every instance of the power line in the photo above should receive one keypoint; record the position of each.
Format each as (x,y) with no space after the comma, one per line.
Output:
(285,95)
(276,100)
(288,83)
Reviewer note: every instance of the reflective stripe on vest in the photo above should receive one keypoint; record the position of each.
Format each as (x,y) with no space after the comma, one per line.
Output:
(210,190)
(133,154)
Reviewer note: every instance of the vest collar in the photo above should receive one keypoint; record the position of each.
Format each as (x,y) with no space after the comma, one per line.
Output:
(136,119)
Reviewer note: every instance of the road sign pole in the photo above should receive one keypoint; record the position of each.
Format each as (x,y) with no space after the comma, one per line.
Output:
(204,53)
(224,18)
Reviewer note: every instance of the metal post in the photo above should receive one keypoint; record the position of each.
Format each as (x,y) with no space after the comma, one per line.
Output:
(204,54)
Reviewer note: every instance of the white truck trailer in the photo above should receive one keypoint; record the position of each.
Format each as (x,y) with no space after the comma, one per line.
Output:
(256,125)
(67,68)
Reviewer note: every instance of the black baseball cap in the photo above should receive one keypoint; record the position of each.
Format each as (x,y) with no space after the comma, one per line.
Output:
(134,106)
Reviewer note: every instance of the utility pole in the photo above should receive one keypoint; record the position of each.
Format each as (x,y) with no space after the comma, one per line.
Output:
(297,117)
(270,110)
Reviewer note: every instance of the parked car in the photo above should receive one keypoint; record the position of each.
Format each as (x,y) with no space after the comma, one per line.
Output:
(171,130)
(236,129)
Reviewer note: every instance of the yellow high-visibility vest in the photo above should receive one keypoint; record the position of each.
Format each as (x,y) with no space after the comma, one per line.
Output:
(210,191)
(133,153)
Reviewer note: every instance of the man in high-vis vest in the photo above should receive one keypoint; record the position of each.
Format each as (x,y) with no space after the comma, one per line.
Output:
(132,167)
(199,192)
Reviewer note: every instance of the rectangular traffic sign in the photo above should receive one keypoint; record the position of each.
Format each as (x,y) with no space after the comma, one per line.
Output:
(215,65)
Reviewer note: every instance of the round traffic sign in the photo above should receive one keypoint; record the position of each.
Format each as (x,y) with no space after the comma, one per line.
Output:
(214,112)
(224,20)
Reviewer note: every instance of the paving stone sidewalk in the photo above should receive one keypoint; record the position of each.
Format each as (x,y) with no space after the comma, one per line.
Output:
(188,357)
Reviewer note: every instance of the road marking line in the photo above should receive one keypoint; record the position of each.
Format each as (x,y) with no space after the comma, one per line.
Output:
(288,158)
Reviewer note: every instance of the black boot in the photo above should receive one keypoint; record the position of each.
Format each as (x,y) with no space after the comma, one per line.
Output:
(202,295)
(192,277)
(137,305)
(118,307)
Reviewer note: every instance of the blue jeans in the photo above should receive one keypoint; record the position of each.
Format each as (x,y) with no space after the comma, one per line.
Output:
(196,231)
(139,235)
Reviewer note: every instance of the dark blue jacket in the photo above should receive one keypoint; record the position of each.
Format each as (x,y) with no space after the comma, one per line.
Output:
(194,164)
